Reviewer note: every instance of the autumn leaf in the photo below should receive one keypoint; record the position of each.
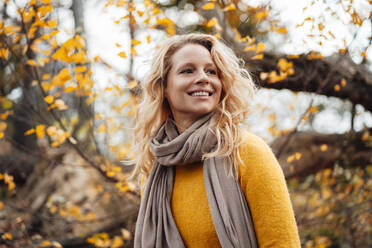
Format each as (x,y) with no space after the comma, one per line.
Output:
(49,99)
(343,82)
(323,147)
(101,128)
(208,6)
(279,30)
(135,42)
(40,131)
(31,131)
(258,56)
(261,15)
(260,47)
(122,54)
(3,126)
(321,26)
(231,6)
(212,22)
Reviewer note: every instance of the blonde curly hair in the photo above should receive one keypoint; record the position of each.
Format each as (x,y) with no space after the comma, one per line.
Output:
(237,89)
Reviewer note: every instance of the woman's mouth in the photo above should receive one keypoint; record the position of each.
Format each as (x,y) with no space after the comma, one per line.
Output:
(200,93)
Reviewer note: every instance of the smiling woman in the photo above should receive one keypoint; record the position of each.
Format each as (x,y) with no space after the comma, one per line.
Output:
(193,88)
(206,182)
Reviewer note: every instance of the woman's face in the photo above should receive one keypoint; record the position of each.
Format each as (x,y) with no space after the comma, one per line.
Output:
(193,86)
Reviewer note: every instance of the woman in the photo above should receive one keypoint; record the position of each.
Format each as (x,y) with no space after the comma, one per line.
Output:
(208,183)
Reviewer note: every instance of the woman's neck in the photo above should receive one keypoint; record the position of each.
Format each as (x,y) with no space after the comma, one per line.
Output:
(182,125)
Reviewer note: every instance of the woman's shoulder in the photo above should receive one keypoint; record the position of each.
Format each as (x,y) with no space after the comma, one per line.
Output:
(257,157)
(253,146)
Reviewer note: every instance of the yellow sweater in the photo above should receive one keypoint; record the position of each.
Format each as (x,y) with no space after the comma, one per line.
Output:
(264,186)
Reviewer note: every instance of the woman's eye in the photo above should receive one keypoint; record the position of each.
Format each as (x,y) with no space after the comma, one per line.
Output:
(212,71)
(186,71)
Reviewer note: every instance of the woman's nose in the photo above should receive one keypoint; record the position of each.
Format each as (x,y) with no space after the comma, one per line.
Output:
(202,77)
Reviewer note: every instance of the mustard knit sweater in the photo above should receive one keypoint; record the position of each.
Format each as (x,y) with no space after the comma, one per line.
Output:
(264,186)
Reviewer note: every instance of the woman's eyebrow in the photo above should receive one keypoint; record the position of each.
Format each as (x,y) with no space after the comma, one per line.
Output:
(193,64)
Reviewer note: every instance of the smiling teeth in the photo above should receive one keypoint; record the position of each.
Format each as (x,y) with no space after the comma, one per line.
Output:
(200,93)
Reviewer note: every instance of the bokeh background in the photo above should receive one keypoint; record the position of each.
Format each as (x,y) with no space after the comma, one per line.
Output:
(70,84)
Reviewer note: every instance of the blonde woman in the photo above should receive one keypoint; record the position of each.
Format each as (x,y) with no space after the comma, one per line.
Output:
(207,182)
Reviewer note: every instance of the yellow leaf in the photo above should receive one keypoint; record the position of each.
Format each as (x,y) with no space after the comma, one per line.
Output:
(54,144)
(1,205)
(49,99)
(208,6)
(7,236)
(323,147)
(212,22)
(290,158)
(132,84)
(336,87)
(31,131)
(31,62)
(342,51)
(122,54)
(356,19)
(261,15)
(133,50)
(43,10)
(343,82)
(117,242)
(258,56)
(6,103)
(101,128)
(363,53)
(1,135)
(260,47)
(69,89)
(280,30)
(298,155)
(231,6)
(45,243)
(321,26)
(40,131)
(3,126)
(135,42)
(45,1)
(148,38)
(80,69)
(4,53)
(52,23)
(117,44)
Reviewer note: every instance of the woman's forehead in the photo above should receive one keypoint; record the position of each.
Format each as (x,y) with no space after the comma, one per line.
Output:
(191,53)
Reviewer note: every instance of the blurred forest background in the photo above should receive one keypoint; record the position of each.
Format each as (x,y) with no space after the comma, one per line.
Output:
(70,83)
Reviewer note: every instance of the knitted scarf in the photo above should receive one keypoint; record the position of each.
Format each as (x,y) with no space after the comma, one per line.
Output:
(229,209)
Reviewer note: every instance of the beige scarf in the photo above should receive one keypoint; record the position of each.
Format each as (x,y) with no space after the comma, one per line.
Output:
(229,209)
